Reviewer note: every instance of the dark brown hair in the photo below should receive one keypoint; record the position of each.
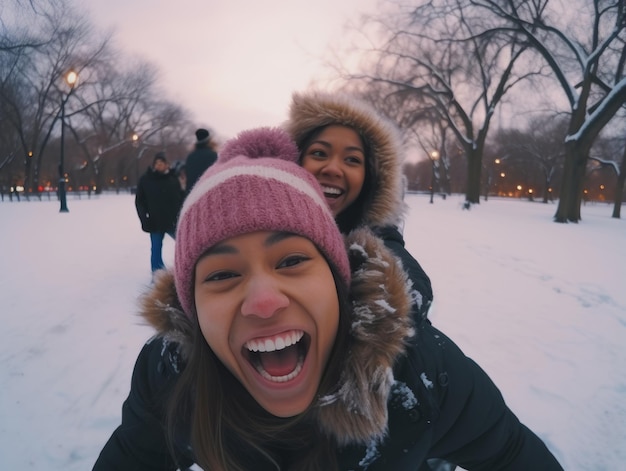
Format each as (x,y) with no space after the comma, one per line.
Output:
(353,216)
(230,431)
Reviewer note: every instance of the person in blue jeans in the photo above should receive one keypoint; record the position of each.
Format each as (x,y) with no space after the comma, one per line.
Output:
(158,201)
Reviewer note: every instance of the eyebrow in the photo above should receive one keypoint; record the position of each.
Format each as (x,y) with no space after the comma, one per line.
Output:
(225,248)
(328,144)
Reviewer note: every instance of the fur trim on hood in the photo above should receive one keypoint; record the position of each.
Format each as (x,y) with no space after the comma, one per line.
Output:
(381,325)
(312,110)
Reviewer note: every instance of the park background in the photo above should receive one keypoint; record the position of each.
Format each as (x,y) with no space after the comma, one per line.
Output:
(513,103)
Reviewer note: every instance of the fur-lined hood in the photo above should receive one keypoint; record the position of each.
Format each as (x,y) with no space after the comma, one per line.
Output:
(381,325)
(312,110)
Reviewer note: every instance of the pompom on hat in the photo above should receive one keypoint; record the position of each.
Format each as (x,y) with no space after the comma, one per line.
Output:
(255,185)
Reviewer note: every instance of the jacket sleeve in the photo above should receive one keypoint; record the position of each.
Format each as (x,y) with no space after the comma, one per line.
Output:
(421,282)
(140,443)
(475,428)
(142,207)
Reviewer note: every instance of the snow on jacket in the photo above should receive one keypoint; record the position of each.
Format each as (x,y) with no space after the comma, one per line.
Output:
(383,212)
(158,201)
(408,395)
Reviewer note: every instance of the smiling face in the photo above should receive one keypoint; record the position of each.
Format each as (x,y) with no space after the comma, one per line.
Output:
(161,166)
(336,157)
(267,306)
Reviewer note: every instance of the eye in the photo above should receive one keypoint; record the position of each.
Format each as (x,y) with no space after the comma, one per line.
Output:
(292,261)
(354,160)
(220,276)
(316,152)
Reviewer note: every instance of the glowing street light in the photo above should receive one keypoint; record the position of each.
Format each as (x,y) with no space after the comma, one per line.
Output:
(434,156)
(70,78)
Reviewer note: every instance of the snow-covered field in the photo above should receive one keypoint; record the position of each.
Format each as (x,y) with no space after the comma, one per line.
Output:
(540,306)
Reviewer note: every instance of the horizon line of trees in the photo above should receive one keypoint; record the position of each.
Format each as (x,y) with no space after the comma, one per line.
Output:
(449,73)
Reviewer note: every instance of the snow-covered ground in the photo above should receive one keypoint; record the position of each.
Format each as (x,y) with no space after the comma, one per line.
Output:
(541,306)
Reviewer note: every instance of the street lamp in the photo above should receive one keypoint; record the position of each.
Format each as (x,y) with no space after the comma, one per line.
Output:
(71,78)
(434,156)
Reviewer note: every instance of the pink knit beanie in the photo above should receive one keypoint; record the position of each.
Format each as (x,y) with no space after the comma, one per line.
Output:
(255,185)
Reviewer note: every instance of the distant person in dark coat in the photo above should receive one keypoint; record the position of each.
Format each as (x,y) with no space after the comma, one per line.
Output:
(201,158)
(158,201)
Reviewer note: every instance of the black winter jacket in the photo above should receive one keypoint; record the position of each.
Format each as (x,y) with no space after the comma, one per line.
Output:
(158,201)
(423,293)
(424,399)
(201,158)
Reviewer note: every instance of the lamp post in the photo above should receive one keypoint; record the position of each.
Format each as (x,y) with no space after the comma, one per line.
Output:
(434,156)
(71,79)
(490,171)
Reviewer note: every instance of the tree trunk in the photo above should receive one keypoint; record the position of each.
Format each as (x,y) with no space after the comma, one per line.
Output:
(474,165)
(571,192)
(546,191)
(619,188)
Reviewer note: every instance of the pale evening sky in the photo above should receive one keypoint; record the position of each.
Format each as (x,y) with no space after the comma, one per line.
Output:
(234,64)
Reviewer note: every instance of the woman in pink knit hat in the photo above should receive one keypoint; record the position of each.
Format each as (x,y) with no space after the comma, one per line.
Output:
(282,346)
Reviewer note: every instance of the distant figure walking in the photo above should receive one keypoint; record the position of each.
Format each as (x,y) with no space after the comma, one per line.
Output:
(158,201)
(201,158)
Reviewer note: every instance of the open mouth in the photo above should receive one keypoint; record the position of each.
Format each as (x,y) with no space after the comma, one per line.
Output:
(279,358)
(331,191)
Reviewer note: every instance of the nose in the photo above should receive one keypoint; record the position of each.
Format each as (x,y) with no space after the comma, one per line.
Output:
(263,298)
(332,167)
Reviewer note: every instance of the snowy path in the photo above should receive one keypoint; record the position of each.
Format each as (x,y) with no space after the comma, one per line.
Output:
(541,307)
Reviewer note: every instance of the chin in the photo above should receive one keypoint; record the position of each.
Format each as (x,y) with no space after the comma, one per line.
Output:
(284,410)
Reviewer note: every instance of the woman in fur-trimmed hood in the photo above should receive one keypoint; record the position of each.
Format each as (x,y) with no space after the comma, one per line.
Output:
(356,155)
(283,346)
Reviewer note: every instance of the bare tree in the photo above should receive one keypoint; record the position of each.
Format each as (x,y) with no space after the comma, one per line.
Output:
(583,44)
(39,76)
(15,19)
(435,58)
(619,187)
(538,149)
(113,115)
(604,156)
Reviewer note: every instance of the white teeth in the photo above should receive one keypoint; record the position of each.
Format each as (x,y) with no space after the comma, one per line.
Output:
(331,191)
(279,343)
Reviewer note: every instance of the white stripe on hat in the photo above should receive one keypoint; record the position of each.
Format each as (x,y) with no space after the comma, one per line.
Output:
(203,186)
